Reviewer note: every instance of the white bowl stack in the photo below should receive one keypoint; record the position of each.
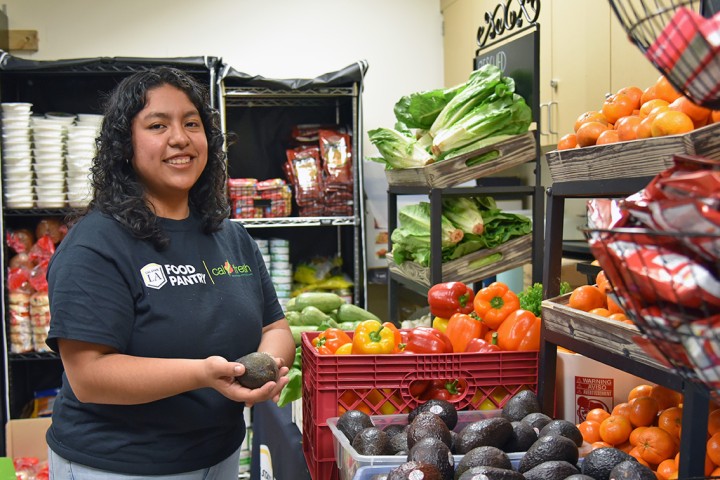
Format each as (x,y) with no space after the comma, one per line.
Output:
(49,137)
(81,150)
(17,155)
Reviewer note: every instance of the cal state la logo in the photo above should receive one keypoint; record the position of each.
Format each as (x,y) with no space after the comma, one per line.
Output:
(153,276)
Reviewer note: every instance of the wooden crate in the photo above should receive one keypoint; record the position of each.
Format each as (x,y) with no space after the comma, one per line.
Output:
(515,150)
(637,158)
(616,337)
(515,253)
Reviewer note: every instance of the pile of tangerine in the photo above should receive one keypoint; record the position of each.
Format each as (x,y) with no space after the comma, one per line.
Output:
(632,113)
(648,427)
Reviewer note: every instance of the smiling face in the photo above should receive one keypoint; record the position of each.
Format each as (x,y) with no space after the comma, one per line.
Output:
(170,150)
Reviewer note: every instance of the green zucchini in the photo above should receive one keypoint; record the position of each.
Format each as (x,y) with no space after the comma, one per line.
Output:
(348,312)
(297,330)
(291,305)
(293,318)
(324,301)
(311,315)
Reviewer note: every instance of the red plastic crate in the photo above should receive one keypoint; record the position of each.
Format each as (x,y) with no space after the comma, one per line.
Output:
(380,385)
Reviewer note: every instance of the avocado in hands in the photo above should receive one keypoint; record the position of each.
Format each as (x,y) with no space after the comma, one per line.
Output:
(260,368)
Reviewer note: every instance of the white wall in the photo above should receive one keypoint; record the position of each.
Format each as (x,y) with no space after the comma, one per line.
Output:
(400,39)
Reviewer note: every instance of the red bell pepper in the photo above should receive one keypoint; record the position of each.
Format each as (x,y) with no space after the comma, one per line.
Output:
(427,340)
(448,298)
(520,331)
(462,328)
(449,390)
(332,339)
(418,387)
(480,345)
(494,303)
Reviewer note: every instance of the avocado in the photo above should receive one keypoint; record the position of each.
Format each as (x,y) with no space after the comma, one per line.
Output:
(490,473)
(442,408)
(600,462)
(631,470)
(410,470)
(580,476)
(372,441)
(552,470)
(551,447)
(520,405)
(483,457)
(564,428)
(435,451)
(537,420)
(353,422)
(392,428)
(523,436)
(493,432)
(398,443)
(260,368)
(428,424)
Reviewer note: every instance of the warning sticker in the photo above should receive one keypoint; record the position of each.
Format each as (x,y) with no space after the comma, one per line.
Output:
(592,393)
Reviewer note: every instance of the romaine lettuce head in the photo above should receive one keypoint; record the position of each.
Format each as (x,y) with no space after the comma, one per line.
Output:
(398,150)
(419,110)
(464,214)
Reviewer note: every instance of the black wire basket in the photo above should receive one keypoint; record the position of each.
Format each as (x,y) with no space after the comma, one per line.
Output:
(679,37)
(668,283)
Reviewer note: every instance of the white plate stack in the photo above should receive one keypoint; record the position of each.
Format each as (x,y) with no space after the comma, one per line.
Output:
(17,155)
(49,136)
(81,150)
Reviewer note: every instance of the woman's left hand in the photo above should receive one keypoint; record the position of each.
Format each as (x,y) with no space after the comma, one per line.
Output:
(222,374)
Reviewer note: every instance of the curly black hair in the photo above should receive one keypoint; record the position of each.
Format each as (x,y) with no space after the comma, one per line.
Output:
(116,188)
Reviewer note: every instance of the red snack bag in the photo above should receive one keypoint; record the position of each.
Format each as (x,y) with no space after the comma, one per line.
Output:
(20,240)
(654,273)
(336,154)
(42,250)
(306,174)
(38,277)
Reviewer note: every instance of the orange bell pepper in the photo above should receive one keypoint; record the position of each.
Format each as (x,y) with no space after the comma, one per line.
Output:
(332,339)
(398,336)
(373,338)
(461,329)
(494,303)
(520,331)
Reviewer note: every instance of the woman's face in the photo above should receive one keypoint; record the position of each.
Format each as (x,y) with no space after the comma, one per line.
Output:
(170,147)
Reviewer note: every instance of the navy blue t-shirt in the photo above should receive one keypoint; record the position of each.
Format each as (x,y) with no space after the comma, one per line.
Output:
(205,295)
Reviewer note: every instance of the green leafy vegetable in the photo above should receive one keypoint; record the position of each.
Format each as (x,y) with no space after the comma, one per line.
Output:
(481,83)
(531,298)
(419,110)
(464,214)
(293,390)
(411,240)
(398,150)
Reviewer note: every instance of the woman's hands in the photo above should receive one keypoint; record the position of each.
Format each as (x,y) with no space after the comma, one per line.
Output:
(221,376)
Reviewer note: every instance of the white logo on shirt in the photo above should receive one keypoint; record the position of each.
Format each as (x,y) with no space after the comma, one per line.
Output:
(156,276)
(153,276)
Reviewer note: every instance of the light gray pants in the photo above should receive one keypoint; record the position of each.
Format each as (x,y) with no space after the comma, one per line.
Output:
(61,469)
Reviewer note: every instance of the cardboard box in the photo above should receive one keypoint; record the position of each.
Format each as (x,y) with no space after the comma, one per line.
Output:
(26,437)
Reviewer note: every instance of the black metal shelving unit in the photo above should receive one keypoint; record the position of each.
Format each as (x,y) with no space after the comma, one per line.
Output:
(696,400)
(251,103)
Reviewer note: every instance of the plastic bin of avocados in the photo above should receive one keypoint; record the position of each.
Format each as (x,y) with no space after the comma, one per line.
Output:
(350,462)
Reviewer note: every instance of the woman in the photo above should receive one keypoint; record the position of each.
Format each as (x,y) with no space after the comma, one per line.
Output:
(153,294)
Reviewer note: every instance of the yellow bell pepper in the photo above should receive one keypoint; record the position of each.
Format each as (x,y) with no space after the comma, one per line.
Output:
(345,349)
(373,338)
(440,323)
